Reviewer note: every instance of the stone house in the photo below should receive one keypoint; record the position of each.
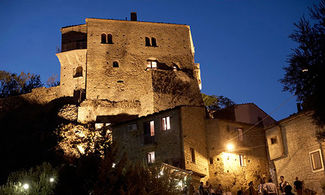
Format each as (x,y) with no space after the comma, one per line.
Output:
(295,150)
(186,138)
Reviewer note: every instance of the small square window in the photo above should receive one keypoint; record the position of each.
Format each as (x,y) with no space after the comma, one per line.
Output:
(132,127)
(274,140)
(152,64)
(165,123)
(151,157)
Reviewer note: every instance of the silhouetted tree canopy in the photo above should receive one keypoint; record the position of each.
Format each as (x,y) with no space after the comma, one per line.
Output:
(13,84)
(305,74)
(213,102)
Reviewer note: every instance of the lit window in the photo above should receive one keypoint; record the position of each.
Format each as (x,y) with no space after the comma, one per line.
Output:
(152,64)
(165,123)
(242,160)
(151,157)
(192,154)
(240,135)
(152,128)
(316,160)
(274,140)
(132,127)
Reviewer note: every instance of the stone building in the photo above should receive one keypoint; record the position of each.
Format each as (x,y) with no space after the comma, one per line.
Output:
(247,113)
(295,150)
(133,67)
(167,136)
(186,138)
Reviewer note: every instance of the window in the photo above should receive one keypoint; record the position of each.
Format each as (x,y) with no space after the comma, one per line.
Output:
(274,140)
(316,160)
(149,132)
(115,64)
(77,72)
(165,123)
(147,41)
(211,161)
(132,127)
(240,134)
(151,157)
(192,155)
(242,160)
(152,64)
(109,39)
(103,38)
(153,42)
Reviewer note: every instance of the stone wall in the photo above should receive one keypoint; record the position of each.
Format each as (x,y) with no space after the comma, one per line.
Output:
(298,136)
(166,143)
(194,136)
(228,167)
(70,61)
(37,96)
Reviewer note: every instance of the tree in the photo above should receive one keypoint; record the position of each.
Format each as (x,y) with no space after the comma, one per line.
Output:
(305,74)
(38,180)
(213,102)
(12,84)
(52,81)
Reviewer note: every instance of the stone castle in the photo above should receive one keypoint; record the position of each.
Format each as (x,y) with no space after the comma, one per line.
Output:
(132,67)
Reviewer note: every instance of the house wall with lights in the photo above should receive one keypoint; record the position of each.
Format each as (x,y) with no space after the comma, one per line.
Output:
(246,161)
(295,150)
(196,143)
(167,137)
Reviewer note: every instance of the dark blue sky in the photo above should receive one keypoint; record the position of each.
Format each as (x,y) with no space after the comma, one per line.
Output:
(241,45)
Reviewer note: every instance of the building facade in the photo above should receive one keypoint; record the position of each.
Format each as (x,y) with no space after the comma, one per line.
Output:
(133,67)
(186,138)
(295,150)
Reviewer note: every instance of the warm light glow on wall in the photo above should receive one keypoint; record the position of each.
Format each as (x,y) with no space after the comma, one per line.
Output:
(230,147)
(230,162)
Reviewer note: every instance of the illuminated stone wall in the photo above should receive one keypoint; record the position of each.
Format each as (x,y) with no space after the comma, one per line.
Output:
(296,135)
(132,87)
(166,144)
(226,167)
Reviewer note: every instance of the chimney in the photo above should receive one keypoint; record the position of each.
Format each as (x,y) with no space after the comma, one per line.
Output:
(299,107)
(133,16)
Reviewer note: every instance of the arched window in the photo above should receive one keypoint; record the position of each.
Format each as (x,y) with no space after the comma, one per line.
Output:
(147,41)
(103,38)
(115,64)
(78,72)
(109,39)
(153,42)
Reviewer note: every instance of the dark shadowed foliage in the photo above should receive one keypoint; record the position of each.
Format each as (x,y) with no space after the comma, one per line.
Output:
(305,74)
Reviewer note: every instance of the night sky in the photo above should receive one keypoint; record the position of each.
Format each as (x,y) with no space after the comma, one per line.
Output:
(242,45)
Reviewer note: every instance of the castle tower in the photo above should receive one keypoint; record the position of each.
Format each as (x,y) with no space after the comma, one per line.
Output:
(128,67)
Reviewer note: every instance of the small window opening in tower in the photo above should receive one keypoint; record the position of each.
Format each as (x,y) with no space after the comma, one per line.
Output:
(103,38)
(115,64)
(77,72)
(109,39)
(147,41)
(153,42)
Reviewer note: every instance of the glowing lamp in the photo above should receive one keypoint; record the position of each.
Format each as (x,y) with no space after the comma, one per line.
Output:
(51,179)
(26,186)
(230,147)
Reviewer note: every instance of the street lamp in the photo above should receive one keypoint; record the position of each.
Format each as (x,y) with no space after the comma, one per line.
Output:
(230,147)
(26,186)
